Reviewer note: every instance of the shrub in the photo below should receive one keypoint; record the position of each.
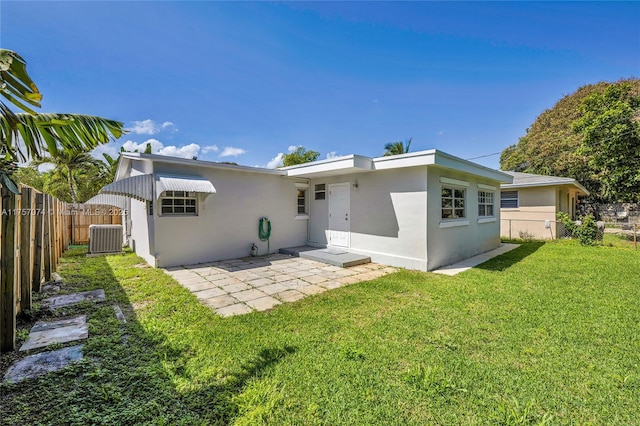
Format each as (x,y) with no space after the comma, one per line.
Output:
(569,225)
(586,231)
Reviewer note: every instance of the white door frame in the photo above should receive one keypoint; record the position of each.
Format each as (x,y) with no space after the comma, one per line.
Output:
(345,236)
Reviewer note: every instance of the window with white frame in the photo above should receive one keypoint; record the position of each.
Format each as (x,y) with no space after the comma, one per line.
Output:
(453,203)
(509,199)
(320,192)
(179,203)
(485,203)
(302,201)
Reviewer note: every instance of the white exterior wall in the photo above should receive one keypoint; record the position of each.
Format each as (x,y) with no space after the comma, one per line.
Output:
(447,245)
(387,215)
(227,221)
(142,231)
(394,215)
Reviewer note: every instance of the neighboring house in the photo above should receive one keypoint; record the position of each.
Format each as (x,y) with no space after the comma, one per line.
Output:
(531,200)
(419,210)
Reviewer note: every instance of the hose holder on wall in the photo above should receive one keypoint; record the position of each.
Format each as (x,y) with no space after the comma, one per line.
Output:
(265,233)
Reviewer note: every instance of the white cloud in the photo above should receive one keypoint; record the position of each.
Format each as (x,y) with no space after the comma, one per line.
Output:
(293,147)
(275,161)
(332,154)
(132,146)
(210,148)
(144,127)
(149,127)
(230,151)
(186,151)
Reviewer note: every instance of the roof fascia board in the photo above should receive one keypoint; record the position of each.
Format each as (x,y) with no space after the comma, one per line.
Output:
(441,159)
(349,163)
(421,158)
(571,182)
(452,162)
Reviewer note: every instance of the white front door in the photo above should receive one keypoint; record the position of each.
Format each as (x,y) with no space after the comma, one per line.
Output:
(339,214)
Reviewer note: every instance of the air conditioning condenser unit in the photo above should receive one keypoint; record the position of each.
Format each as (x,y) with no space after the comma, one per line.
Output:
(105,239)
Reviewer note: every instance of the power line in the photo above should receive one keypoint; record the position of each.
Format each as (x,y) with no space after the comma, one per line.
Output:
(559,154)
(483,156)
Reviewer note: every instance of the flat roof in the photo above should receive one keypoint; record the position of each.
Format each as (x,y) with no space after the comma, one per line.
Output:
(128,156)
(347,164)
(358,164)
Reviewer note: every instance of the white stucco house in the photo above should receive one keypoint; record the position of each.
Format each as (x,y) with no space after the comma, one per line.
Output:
(419,210)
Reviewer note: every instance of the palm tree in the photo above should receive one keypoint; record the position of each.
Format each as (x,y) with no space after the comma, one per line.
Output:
(70,164)
(112,165)
(29,135)
(397,148)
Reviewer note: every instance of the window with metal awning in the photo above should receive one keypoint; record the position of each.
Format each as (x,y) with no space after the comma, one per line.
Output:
(141,187)
(177,195)
(193,184)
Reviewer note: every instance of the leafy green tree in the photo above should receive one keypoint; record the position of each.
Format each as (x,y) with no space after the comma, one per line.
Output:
(299,156)
(73,167)
(30,176)
(111,165)
(29,135)
(397,148)
(610,129)
(552,145)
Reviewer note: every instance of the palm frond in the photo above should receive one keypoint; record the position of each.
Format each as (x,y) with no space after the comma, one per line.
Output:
(15,84)
(53,132)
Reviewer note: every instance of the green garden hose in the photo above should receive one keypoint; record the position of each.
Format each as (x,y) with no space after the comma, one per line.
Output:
(265,234)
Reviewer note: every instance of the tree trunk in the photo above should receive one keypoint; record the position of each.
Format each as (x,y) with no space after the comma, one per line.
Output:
(72,190)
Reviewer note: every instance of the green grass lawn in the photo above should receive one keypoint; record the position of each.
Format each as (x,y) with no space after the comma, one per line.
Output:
(546,334)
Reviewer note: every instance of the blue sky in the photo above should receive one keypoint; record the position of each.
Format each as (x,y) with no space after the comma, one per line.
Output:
(245,82)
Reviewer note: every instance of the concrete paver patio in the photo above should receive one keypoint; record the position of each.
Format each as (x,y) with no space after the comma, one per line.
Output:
(240,286)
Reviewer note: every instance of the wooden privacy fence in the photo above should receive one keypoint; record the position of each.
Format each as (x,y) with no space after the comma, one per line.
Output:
(32,238)
(36,229)
(83,215)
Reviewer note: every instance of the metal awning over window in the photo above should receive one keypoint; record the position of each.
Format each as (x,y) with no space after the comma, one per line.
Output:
(183,183)
(139,187)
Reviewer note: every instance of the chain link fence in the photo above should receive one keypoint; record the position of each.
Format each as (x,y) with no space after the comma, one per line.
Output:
(525,229)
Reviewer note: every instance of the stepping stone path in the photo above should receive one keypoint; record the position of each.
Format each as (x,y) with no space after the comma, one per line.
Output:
(43,363)
(119,314)
(45,333)
(56,302)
